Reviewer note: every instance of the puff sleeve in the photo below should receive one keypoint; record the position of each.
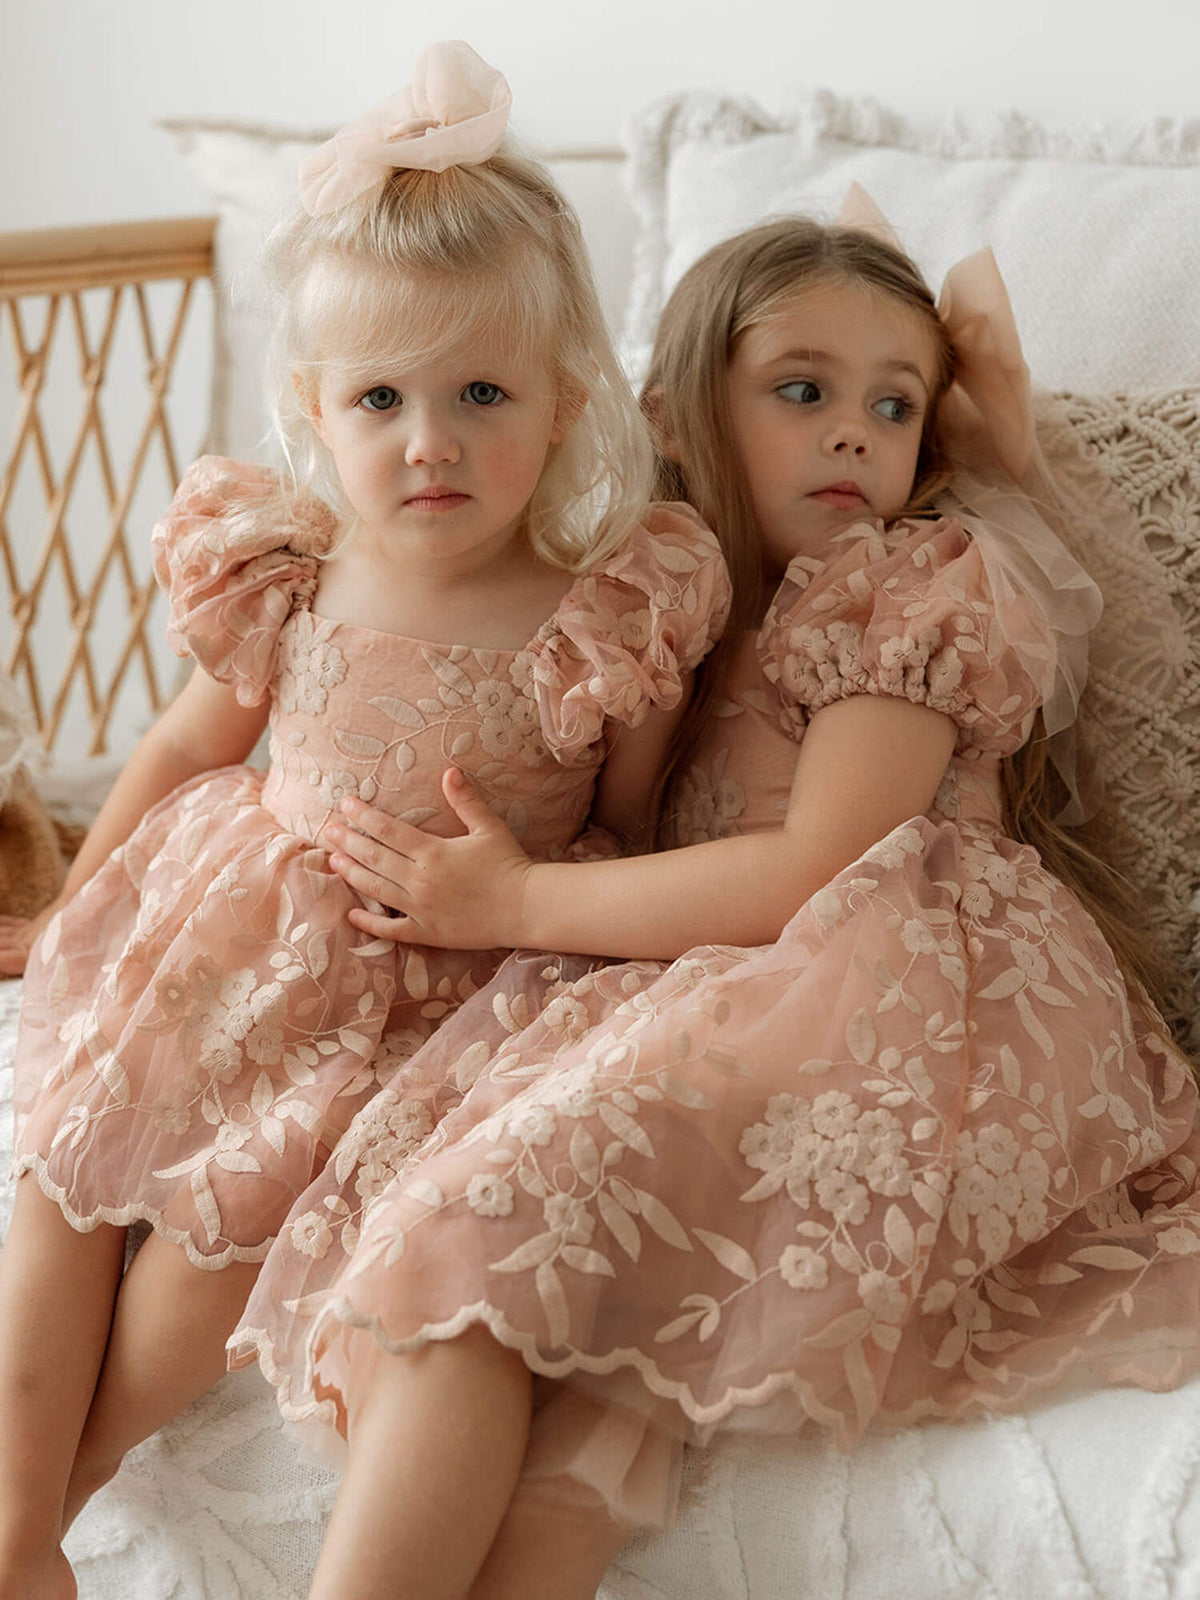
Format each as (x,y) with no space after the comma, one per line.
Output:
(236,553)
(629,631)
(905,611)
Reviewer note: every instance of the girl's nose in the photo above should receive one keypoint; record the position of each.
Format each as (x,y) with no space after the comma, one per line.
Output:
(432,440)
(847,436)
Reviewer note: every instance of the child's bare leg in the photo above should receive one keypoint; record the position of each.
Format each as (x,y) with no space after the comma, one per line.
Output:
(436,1443)
(57,1288)
(166,1349)
(548,1552)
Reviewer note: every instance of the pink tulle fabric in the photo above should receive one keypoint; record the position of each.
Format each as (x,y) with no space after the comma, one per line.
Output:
(917,1158)
(201,1023)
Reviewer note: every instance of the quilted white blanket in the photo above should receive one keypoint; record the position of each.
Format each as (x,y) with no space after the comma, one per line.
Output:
(1093,1496)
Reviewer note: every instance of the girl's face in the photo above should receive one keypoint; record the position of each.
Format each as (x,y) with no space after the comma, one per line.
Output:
(440,459)
(828,399)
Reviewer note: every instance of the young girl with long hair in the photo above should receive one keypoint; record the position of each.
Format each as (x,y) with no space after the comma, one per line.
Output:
(879,1128)
(461,566)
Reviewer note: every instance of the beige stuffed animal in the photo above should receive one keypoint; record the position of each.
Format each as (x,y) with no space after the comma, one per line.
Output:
(34,849)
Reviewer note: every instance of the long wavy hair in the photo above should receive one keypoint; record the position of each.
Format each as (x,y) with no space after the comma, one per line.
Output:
(740,284)
(423,266)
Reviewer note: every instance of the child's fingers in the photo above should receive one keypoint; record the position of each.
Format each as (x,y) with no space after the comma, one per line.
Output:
(368,852)
(467,803)
(371,884)
(399,836)
(400,930)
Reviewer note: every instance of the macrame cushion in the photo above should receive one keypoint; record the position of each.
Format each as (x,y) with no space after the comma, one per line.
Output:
(1144,687)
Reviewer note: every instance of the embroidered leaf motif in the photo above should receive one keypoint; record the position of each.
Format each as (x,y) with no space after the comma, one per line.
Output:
(620,1224)
(1034,1027)
(1021,1304)
(661,1220)
(679,1326)
(851,1325)
(623,1125)
(585,1157)
(898,1231)
(730,1254)
(574,1255)
(951,1349)
(554,1302)
(398,710)
(676,1089)
(358,746)
(1004,986)
(861,1040)
(530,1253)
(237,1161)
(206,1205)
(1112,1257)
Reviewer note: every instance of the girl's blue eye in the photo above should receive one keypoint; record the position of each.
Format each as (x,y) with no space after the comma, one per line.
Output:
(803,392)
(381,399)
(894,408)
(483,394)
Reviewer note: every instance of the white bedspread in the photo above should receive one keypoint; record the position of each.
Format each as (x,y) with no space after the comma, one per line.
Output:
(1093,1496)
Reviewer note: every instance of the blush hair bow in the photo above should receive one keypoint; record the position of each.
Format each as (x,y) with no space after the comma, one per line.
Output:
(454,113)
(1003,493)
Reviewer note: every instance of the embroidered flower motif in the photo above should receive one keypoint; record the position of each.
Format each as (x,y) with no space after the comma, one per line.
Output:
(999,1185)
(802,1268)
(311,1235)
(567,1016)
(831,1144)
(882,1295)
(489,1195)
(308,669)
(569,1218)
(334,787)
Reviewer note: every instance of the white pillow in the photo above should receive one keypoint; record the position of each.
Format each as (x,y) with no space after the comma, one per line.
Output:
(249,172)
(1097,233)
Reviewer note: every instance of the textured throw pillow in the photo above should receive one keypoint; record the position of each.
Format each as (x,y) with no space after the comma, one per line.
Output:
(1097,232)
(249,173)
(1146,692)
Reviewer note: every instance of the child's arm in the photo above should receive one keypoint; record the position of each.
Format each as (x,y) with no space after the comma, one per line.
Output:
(203,728)
(866,765)
(625,802)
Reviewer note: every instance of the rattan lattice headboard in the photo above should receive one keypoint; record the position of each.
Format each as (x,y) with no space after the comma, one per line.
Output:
(80,478)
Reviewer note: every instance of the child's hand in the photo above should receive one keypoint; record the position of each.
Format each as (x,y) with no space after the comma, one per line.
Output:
(18,935)
(458,894)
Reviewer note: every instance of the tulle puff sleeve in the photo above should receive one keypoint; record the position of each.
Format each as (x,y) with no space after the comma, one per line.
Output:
(905,611)
(236,553)
(629,631)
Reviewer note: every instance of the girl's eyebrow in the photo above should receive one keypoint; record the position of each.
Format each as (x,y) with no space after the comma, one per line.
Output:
(809,354)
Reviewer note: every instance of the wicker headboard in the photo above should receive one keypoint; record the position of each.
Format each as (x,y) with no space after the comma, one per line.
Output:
(84,476)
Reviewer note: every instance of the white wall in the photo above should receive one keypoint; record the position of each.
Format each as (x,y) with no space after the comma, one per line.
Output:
(81,81)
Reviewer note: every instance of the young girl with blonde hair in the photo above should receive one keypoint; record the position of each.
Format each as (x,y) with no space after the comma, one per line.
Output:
(461,566)
(878,1129)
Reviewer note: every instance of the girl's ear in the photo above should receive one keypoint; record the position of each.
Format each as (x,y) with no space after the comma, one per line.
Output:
(654,406)
(572,400)
(306,393)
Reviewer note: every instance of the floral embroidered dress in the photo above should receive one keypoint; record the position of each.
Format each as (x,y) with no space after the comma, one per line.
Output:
(918,1157)
(202,1022)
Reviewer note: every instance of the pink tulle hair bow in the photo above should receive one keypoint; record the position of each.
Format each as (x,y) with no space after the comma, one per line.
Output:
(1001,488)
(454,113)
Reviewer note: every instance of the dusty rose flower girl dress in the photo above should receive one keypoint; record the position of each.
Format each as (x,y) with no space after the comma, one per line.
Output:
(918,1157)
(202,1022)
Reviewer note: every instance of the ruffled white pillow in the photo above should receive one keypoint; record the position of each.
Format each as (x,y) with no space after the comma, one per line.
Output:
(1097,231)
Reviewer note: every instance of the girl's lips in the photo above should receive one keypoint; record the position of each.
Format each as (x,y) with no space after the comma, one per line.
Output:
(843,496)
(437,500)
